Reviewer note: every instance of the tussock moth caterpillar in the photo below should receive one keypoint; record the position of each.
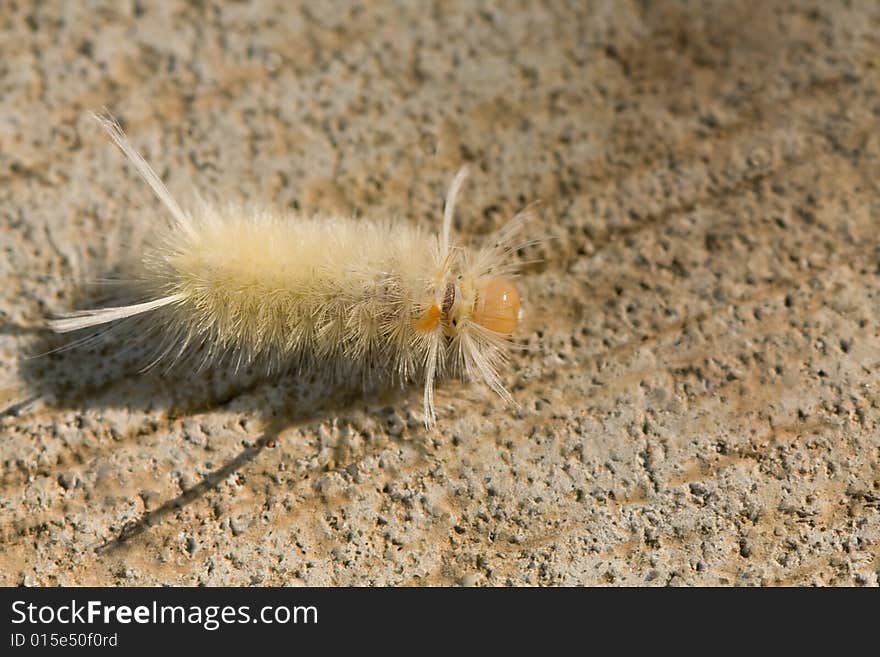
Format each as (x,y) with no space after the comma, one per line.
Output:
(358,297)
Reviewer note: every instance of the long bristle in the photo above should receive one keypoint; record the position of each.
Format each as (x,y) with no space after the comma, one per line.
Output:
(88,318)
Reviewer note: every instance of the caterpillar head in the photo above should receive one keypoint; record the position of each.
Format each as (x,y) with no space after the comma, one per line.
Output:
(471,329)
(473,309)
(492,303)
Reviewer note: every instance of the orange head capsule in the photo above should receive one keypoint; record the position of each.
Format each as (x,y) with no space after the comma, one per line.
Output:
(497,306)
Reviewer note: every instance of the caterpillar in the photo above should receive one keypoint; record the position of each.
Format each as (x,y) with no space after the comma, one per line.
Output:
(355,297)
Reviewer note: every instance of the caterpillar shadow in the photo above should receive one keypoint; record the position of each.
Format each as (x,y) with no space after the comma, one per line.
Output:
(106,373)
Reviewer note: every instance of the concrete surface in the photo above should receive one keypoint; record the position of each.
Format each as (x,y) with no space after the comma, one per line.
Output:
(700,397)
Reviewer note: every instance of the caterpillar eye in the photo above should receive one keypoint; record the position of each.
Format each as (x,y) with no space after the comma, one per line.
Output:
(497,306)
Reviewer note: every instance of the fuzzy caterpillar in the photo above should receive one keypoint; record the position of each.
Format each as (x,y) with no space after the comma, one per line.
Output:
(365,298)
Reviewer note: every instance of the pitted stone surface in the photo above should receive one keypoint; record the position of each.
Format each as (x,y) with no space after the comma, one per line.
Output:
(698,402)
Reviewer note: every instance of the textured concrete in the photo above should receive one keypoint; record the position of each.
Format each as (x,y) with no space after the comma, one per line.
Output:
(699,400)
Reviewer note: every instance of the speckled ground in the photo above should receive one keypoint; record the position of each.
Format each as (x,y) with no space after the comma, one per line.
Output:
(699,403)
